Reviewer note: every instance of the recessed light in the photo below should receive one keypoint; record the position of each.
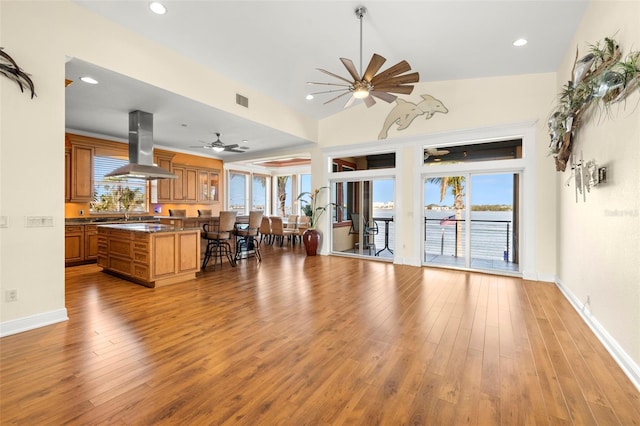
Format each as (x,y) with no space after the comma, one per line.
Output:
(309,97)
(89,80)
(158,8)
(520,42)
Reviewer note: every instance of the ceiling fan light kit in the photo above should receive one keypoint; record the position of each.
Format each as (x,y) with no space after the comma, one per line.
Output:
(380,85)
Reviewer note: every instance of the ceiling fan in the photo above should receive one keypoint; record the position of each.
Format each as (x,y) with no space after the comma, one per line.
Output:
(219,146)
(366,86)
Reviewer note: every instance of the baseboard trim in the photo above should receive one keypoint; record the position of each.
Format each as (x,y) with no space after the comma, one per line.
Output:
(19,325)
(629,367)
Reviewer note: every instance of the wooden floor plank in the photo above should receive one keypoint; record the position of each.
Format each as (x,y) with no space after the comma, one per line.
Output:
(313,340)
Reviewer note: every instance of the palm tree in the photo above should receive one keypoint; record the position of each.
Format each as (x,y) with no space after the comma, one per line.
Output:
(282,192)
(456,184)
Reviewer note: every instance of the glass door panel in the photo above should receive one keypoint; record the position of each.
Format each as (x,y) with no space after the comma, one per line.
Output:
(445,226)
(364,217)
(493,221)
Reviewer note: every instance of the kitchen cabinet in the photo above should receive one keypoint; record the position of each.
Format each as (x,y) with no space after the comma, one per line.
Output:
(81,173)
(164,185)
(208,181)
(151,255)
(74,244)
(194,185)
(185,186)
(67,174)
(90,242)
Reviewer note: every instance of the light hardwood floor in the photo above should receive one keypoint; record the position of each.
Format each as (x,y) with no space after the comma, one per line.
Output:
(313,340)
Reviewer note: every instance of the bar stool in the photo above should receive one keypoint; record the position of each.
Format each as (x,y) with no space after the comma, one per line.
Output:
(246,237)
(218,241)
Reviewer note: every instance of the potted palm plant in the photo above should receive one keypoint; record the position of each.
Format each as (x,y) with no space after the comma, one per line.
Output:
(310,207)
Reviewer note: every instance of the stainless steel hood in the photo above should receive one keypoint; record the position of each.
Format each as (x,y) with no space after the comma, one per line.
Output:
(141,151)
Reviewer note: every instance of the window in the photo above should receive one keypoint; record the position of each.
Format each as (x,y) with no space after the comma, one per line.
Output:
(259,193)
(116,195)
(238,183)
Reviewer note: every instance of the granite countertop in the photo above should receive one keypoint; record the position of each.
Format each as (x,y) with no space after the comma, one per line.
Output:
(108,220)
(145,227)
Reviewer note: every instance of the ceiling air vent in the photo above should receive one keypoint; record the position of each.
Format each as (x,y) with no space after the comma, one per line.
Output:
(241,100)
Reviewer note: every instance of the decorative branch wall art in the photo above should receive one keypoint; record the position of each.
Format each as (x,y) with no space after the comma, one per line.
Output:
(405,112)
(12,71)
(598,78)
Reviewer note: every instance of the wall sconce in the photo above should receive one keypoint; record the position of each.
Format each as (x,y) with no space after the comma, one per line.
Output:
(586,175)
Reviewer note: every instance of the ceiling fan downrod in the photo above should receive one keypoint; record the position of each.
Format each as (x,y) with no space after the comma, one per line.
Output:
(360,11)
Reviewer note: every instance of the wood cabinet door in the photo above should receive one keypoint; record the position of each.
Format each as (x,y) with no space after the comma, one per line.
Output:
(214,186)
(67,174)
(90,242)
(164,185)
(178,184)
(81,173)
(74,244)
(191,185)
(203,186)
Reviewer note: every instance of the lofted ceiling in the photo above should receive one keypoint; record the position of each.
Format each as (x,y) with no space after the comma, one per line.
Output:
(274,47)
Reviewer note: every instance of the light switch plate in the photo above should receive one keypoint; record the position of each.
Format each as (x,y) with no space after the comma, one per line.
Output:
(39,221)
(4,222)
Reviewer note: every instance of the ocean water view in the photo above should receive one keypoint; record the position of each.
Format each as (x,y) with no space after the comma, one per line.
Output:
(491,234)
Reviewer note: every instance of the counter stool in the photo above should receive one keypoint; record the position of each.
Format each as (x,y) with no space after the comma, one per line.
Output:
(246,237)
(218,241)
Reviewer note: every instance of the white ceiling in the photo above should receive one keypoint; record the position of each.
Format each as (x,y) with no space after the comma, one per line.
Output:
(275,47)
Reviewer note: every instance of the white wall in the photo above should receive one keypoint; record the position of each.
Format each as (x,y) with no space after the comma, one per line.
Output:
(39,35)
(599,240)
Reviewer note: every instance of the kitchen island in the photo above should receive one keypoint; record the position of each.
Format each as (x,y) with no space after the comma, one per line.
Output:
(150,254)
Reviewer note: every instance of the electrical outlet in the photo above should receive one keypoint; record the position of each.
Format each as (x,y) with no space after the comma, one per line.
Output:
(11,295)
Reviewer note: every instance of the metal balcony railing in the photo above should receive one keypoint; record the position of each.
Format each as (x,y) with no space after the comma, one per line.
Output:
(490,239)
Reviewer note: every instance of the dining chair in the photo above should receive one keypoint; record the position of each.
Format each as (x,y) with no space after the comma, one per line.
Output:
(218,241)
(277,229)
(246,236)
(303,225)
(265,229)
(178,212)
(204,213)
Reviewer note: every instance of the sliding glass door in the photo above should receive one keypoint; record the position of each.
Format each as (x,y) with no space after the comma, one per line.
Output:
(363,220)
(471,221)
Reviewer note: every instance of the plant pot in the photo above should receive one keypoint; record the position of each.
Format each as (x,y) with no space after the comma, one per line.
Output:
(311,240)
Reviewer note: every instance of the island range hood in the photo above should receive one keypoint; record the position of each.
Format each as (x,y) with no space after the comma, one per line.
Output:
(141,151)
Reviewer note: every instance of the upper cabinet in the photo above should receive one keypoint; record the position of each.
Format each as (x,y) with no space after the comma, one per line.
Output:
(81,173)
(208,182)
(164,185)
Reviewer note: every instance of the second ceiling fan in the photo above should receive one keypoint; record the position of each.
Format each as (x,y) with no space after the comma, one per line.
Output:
(219,146)
(369,84)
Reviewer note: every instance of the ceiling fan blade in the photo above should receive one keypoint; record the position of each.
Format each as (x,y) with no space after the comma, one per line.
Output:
(351,68)
(387,97)
(401,79)
(235,145)
(328,91)
(329,84)
(399,68)
(369,101)
(350,102)
(405,90)
(333,75)
(374,65)
(337,97)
